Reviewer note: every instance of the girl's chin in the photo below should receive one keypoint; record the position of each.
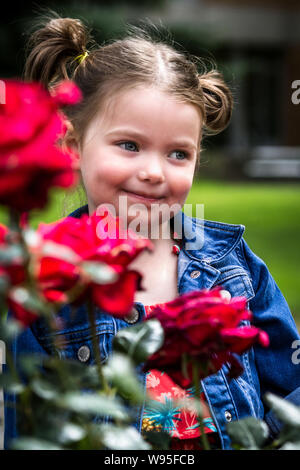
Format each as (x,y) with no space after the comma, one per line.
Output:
(150,221)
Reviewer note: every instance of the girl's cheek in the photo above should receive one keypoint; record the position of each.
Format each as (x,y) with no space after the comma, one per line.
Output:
(184,184)
(112,168)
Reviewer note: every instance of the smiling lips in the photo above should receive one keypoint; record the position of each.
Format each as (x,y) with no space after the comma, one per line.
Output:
(143,196)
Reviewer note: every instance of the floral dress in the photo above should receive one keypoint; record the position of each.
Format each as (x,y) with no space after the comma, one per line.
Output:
(163,414)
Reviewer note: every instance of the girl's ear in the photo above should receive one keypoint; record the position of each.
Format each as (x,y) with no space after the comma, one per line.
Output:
(70,141)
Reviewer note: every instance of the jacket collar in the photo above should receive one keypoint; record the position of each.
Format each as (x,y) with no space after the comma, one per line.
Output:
(79,212)
(214,240)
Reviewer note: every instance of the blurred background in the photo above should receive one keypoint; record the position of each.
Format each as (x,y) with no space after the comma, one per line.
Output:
(250,173)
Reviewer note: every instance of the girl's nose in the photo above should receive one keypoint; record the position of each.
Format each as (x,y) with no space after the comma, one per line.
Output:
(152,172)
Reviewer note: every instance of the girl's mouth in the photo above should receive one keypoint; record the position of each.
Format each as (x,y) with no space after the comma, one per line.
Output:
(142,197)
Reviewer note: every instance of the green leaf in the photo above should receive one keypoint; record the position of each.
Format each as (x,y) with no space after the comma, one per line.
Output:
(4,284)
(92,403)
(285,411)
(44,389)
(63,252)
(248,433)
(158,440)
(100,273)
(28,299)
(77,375)
(33,443)
(140,341)
(30,363)
(9,383)
(192,405)
(291,446)
(120,371)
(289,434)
(12,254)
(122,438)
(9,329)
(70,432)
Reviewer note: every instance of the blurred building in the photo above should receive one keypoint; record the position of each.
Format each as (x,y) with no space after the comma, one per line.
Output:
(259,41)
(255,43)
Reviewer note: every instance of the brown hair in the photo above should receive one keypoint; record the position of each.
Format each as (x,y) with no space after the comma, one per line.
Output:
(135,60)
(63,48)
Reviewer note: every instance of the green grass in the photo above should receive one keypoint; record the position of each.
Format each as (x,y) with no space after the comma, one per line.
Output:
(53,211)
(270,212)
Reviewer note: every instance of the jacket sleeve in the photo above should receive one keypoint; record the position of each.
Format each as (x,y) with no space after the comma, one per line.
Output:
(23,343)
(278,371)
(271,419)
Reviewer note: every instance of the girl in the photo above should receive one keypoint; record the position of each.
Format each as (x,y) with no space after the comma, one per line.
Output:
(138,132)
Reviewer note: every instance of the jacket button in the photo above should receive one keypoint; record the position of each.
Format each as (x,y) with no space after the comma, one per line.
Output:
(132,317)
(83,353)
(195,274)
(225,294)
(228,416)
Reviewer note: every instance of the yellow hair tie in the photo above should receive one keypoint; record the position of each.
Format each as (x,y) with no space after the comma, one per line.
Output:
(81,57)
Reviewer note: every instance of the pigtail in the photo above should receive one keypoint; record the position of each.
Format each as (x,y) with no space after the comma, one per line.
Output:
(218,102)
(54,48)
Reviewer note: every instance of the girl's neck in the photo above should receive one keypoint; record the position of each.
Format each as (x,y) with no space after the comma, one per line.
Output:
(159,273)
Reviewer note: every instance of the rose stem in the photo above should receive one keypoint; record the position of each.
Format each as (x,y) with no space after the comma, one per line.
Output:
(203,437)
(96,348)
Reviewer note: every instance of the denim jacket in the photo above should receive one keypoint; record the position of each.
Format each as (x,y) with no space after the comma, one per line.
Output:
(224,259)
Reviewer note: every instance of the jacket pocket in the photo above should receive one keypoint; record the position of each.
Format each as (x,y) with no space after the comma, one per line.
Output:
(78,345)
(236,281)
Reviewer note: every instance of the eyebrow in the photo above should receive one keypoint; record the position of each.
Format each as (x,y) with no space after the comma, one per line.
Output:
(139,135)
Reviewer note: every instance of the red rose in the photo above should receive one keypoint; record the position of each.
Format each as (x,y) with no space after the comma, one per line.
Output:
(63,255)
(31,161)
(3,232)
(201,326)
(57,276)
(66,93)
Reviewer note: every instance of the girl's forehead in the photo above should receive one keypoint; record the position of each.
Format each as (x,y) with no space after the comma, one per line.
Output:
(146,107)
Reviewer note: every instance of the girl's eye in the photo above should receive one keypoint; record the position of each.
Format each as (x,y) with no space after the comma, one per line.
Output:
(129,146)
(179,155)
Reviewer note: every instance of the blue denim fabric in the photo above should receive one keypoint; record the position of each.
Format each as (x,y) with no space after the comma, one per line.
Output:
(225,259)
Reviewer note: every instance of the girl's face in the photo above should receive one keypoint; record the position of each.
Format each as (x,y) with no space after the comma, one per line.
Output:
(144,145)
